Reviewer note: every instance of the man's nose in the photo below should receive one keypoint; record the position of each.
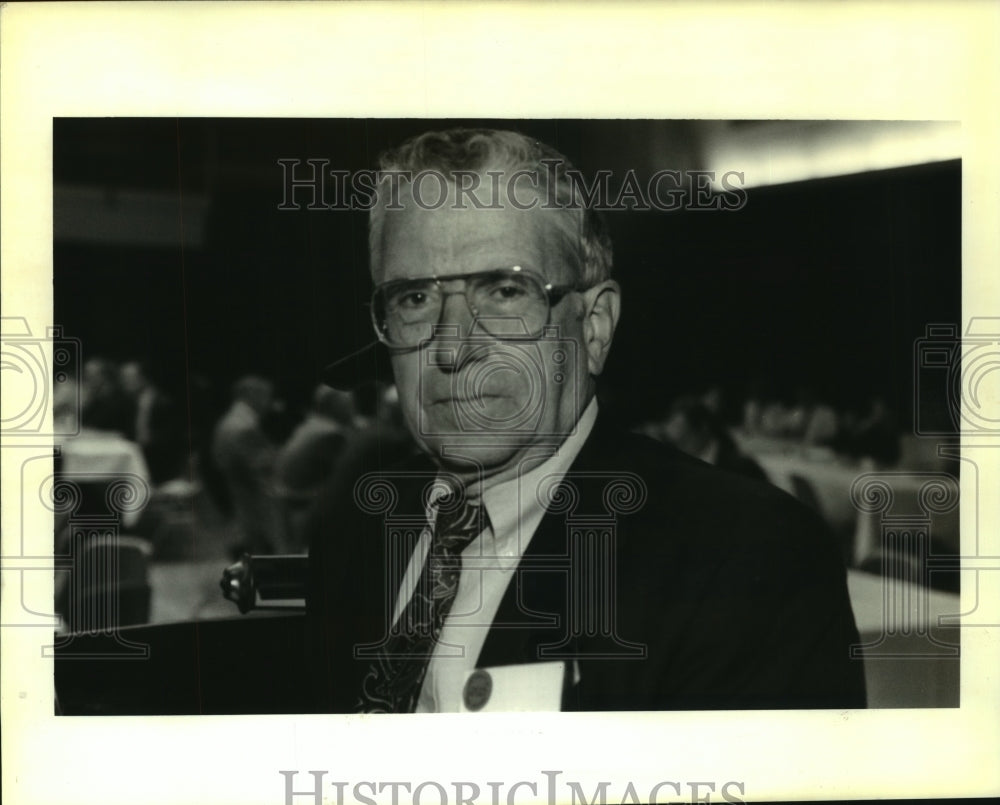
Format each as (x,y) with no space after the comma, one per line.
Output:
(455,311)
(456,325)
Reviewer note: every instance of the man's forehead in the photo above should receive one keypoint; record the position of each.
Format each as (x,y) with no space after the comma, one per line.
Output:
(431,191)
(451,233)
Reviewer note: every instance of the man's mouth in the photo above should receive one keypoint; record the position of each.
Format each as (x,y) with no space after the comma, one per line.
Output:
(478,399)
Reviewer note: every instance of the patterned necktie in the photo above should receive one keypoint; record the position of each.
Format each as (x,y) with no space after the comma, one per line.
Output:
(392,684)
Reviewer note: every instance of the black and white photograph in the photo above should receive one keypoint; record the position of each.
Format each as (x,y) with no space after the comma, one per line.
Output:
(287,421)
(492,422)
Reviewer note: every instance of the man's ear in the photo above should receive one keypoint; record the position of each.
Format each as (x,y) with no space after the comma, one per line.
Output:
(602,306)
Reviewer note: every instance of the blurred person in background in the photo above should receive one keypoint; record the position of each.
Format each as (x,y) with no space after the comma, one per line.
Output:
(692,427)
(380,438)
(876,436)
(823,427)
(94,460)
(714,399)
(101,451)
(156,424)
(100,381)
(109,476)
(308,460)
(811,419)
(245,456)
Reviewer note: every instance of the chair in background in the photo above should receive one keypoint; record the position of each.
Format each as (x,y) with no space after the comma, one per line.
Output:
(170,521)
(105,583)
(108,584)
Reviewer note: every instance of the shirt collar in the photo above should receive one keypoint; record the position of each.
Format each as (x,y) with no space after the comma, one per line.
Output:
(516,506)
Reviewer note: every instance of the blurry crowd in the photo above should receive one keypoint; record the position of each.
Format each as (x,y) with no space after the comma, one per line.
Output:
(238,466)
(271,485)
(712,427)
(244,464)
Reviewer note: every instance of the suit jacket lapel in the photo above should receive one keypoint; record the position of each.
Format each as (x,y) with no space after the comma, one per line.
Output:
(532,613)
(532,618)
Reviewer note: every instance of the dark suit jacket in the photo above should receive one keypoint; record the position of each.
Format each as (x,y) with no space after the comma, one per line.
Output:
(725,592)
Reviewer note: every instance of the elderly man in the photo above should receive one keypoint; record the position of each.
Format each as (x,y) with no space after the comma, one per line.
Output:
(535,557)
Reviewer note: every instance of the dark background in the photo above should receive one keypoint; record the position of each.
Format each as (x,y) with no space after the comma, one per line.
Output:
(823,284)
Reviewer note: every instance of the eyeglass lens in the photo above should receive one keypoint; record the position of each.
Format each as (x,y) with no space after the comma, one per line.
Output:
(504,302)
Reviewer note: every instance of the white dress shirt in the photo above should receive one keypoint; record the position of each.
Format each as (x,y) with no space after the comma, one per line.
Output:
(488,564)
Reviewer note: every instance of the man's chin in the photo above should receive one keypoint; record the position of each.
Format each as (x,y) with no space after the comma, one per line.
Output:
(475,453)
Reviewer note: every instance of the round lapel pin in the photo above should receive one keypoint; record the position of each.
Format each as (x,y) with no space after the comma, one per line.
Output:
(478,688)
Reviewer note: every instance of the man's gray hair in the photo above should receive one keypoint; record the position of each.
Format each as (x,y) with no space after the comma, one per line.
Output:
(478,151)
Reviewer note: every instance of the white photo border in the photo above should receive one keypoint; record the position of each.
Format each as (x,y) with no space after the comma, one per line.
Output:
(919,61)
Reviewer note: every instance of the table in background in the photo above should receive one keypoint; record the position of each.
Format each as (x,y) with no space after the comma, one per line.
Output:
(911,641)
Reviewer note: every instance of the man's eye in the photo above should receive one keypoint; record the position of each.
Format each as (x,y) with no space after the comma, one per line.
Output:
(411,299)
(507,292)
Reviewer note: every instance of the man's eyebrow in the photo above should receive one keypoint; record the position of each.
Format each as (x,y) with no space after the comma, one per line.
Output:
(493,265)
